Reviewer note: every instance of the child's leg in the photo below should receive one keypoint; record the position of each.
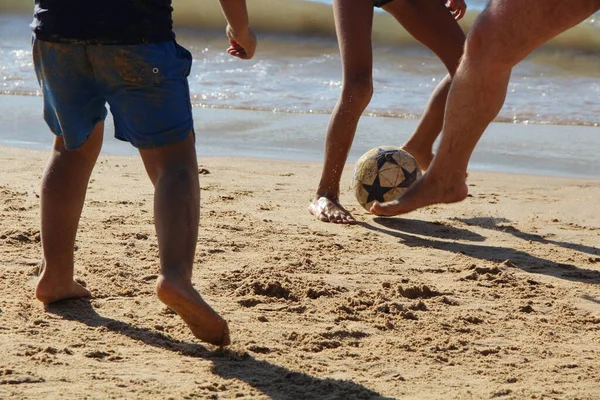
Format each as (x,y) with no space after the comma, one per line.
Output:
(63,189)
(75,113)
(173,170)
(147,89)
(353,27)
(432,24)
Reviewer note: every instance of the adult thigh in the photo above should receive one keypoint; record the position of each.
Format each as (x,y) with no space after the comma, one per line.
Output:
(508,30)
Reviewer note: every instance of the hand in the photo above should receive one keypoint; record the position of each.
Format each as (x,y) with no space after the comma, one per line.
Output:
(457,8)
(241,45)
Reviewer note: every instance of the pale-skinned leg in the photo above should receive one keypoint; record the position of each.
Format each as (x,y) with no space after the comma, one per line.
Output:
(354,22)
(432,24)
(505,33)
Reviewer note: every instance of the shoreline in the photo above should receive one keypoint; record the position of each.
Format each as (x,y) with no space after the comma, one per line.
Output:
(544,150)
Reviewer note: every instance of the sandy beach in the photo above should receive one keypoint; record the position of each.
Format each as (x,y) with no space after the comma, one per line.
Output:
(495,297)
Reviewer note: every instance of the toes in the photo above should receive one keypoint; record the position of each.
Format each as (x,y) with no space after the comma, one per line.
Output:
(328,210)
(335,219)
(348,219)
(383,208)
(324,218)
(339,218)
(374,209)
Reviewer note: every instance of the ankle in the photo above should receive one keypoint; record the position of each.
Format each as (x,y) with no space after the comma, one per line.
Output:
(328,194)
(438,174)
(167,283)
(176,277)
(53,277)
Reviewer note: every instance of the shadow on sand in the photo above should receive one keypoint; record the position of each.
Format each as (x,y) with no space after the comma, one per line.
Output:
(405,230)
(273,380)
(504,225)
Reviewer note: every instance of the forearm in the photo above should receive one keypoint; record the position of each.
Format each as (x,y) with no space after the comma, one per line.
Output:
(236,14)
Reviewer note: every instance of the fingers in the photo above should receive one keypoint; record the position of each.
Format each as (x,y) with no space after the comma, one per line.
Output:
(237,51)
(458,8)
(461,10)
(241,46)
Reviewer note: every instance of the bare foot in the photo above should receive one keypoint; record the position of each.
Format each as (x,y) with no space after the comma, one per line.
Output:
(49,290)
(424,192)
(328,210)
(422,157)
(204,322)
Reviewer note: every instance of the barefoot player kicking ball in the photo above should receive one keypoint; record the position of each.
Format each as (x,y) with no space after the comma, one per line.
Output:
(431,22)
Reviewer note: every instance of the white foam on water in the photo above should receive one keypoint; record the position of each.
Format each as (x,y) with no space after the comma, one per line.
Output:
(297,71)
(569,151)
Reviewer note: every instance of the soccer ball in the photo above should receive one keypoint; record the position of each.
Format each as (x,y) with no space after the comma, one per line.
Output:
(382,174)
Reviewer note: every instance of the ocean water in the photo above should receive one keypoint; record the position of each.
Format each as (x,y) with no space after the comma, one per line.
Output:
(297,67)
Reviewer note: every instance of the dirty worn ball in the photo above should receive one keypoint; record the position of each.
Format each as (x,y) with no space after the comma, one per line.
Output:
(382,174)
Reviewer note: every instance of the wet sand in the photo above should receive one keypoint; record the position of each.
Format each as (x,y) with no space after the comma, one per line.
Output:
(553,150)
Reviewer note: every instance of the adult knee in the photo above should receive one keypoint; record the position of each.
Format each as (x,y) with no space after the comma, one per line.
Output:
(357,92)
(484,52)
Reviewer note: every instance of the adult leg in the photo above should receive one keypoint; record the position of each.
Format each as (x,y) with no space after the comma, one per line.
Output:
(432,24)
(173,170)
(62,196)
(505,33)
(354,21)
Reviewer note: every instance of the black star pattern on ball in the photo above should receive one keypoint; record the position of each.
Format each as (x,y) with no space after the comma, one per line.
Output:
(409,178)
(376,191)
(384,156)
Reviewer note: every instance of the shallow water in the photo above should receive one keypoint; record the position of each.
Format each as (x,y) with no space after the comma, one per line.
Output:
(570,151)
(297,69)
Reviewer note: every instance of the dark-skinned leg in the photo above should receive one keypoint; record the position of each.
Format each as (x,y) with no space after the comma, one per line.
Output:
(62,196)
(173,170)
(354,21)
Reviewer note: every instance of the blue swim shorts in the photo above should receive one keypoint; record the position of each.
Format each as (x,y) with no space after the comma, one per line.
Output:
(145,86)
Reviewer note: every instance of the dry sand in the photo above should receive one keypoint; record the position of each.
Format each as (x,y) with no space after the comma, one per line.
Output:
(495,297)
